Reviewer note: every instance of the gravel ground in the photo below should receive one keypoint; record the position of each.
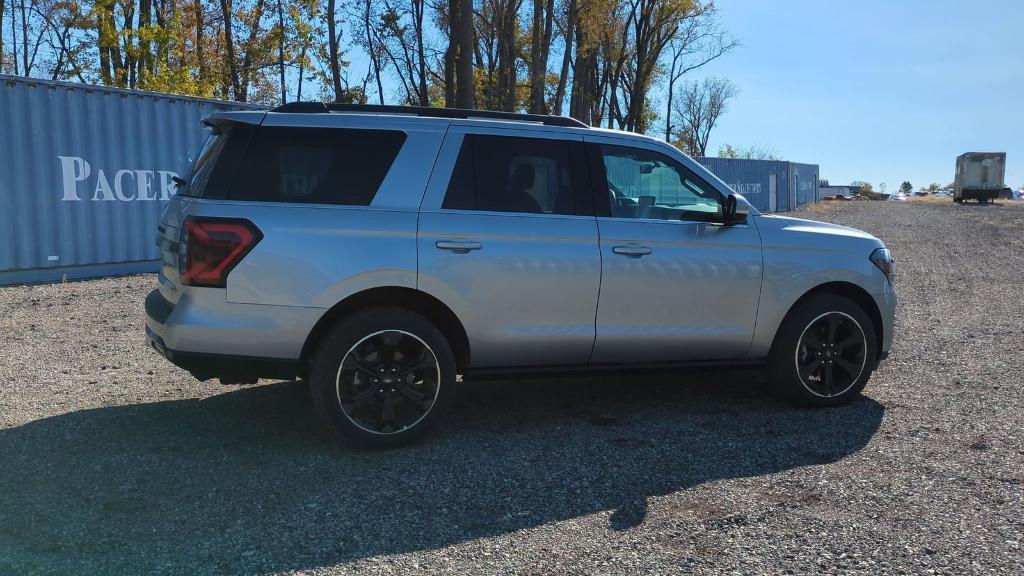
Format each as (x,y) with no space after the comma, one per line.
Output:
(114,461)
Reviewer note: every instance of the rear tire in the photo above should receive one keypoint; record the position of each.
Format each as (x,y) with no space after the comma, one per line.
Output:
(824,352)
(383,377)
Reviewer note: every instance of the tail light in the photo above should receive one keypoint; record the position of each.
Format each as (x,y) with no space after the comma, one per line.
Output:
(210,248)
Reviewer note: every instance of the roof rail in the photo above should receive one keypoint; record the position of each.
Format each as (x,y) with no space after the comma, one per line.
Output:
(454,113)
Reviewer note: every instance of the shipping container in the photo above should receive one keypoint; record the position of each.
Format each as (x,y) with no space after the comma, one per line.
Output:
(804,180)
(85,172)
(769,185)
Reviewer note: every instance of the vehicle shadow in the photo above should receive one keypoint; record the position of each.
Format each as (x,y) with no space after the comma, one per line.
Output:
(247,481)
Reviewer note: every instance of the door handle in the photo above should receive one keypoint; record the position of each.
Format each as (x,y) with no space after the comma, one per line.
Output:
(632,251)
(458,246)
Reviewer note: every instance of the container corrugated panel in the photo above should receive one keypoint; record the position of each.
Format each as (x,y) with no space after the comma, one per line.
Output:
(85,172)
(764,183)
(805,183)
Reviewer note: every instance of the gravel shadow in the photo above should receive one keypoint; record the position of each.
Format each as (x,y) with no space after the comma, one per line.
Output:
(248,482)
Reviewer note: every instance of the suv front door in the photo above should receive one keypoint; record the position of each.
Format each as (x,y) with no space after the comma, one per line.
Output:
(507,239)
(676,285)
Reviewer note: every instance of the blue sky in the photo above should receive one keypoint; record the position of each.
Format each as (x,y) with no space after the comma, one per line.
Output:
(882,91)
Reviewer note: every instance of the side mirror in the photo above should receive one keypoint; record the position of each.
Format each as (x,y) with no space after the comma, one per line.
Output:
(734,210)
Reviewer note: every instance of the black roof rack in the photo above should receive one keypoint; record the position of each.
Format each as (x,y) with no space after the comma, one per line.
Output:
(320,108)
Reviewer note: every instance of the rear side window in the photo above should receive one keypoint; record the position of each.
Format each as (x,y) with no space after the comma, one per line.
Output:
(215,166)
(524,175)
(315,165)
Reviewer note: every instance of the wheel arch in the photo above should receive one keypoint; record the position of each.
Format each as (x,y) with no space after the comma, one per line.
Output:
(852,292)
(431,308)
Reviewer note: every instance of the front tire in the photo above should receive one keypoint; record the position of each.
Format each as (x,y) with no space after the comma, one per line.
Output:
(383,377)
(824,352)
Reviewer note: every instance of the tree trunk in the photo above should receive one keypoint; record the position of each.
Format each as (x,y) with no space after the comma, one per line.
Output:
(229,51)
(374,56)
(332,42)
(465,90)
(672,77)
(563,75)
(199,43)
(507,57)
(24,40)
(538,64)
(3,9)
(280,50)
(581,99)
(421,54)
(302,71)
(129,63)
(449,54)
(144,46)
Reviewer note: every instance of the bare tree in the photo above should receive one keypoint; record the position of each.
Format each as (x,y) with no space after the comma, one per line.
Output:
(754,152)
(701,105)
(404,45)
(370,40)
(698,41)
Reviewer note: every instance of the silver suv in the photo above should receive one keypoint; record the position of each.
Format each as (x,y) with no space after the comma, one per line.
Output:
(379,252)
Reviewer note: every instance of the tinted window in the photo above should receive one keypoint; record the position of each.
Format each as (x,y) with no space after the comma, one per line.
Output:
(315,165)
(527,175)
(646,184)
(215,166)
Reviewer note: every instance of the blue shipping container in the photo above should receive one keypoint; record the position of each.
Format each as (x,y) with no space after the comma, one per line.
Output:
(769,185)
(85,172)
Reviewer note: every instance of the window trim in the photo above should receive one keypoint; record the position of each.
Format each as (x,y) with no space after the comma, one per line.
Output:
(598,174)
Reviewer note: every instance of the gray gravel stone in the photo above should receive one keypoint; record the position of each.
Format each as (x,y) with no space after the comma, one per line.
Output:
(112,461)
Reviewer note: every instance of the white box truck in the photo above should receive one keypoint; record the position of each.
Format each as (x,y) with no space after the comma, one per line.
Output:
(979,176)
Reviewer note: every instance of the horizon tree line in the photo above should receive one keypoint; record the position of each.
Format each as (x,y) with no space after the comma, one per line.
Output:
(623,64)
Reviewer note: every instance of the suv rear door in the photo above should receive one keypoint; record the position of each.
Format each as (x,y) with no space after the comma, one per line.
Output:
(508,240)
(675,284)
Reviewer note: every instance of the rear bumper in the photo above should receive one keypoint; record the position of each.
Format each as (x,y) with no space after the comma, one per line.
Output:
(979,193)
(234,342)
(231,369)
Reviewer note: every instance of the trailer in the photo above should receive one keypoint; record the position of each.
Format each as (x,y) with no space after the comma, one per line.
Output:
(979,176)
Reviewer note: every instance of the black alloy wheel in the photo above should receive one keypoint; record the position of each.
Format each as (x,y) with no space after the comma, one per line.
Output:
(388,382)
(831,354)
(382,377)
